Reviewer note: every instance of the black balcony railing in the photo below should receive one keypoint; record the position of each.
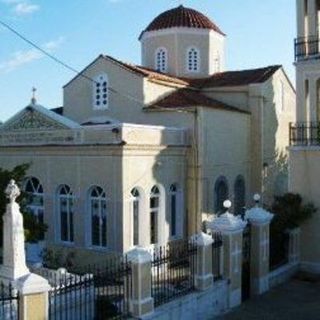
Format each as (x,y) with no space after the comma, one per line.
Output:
(305,134)
(306,47)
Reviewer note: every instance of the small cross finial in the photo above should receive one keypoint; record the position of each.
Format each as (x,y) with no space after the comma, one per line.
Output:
(33,99)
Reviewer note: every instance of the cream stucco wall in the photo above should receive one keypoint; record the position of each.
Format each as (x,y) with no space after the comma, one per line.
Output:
(278,112)
(269,121)
(225,152)
(126,95)
(304,172)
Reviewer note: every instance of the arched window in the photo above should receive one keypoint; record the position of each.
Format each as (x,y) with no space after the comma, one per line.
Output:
(154,214)
(217,63)
(135,215)
(221,194)
(98,212)
(173,210)
(161,60)
(65,205)
(34,191)
(239,195)
(193,60)
(100,92)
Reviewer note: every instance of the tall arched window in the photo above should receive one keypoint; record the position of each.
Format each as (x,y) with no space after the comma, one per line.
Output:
(154,214)
(98,212)
(34,191)
(221,194)
(100,92)
(135,215)
(217,63)
(173,210)
(193,60)
(161,60)
(239,195)
(65,205)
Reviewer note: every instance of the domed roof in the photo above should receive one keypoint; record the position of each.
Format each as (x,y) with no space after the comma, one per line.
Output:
(181,17)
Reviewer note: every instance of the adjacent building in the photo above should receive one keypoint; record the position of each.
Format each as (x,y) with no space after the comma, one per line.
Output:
(305,133)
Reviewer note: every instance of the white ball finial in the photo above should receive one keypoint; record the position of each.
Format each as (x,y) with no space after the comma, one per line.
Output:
(227,204)
(256,197)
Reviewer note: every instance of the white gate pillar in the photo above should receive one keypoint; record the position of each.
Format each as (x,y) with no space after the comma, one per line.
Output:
(141,303)
(231,228)
(260,239)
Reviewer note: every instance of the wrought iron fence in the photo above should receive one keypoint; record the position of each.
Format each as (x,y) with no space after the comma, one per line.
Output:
(304,134)
(173,271)
(217,256)
(306,46)
(9,302)
(94,293)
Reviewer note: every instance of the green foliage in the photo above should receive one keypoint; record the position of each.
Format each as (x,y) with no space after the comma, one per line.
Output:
(290,212)
(55,259)
(33,228)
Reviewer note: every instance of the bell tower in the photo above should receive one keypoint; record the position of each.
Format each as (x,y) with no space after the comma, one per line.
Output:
(307,61)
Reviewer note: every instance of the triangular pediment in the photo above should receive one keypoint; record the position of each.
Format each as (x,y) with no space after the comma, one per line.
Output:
(35,117)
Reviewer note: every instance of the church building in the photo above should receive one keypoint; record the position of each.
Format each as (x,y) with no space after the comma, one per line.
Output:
(143,154)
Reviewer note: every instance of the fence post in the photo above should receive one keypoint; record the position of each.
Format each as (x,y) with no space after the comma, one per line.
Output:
(260,239)
(294,245)
(204,276)
(33,297)
(141,302)
(231,228)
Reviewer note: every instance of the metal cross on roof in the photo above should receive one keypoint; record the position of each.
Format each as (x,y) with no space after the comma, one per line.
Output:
(33,99)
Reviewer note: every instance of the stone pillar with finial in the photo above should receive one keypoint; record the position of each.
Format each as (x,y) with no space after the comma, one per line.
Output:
(259,220)
(14,260)
(231,228)
(33,289)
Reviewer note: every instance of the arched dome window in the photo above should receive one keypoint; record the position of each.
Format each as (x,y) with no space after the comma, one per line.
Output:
(193,60)
(161,60)
(217,63)
(100,92)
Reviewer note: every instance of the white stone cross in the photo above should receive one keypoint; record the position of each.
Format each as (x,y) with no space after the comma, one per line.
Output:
(12,191)
(14,260)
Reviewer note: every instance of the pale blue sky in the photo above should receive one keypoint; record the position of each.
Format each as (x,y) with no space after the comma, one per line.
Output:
(260,33)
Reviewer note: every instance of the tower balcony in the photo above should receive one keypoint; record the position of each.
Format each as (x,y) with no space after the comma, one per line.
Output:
(307,48)
(304,134)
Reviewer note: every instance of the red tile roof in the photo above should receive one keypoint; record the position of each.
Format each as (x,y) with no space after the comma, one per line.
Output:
(237,78)
(150,73)
(186,98)
(181,17)
(223,79)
